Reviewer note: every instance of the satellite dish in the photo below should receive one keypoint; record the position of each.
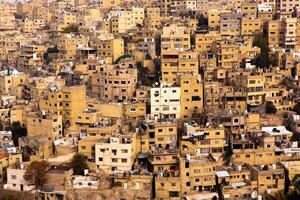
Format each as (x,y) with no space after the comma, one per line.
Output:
(254,194)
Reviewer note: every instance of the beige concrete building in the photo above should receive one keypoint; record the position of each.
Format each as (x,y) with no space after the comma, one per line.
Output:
(116,154)
(114,82)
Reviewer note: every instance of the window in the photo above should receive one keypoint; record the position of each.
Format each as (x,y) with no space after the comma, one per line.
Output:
(13,177)
(114,160)
(114,151)
(124,160)
(124,150)
(196,98)
(100,159)
(207,179)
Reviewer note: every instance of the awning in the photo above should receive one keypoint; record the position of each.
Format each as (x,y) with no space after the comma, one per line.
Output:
(222,174)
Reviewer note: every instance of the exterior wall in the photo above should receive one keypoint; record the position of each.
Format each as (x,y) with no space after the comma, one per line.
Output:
(191,98)
(114,82)
(116,155)
(165,101)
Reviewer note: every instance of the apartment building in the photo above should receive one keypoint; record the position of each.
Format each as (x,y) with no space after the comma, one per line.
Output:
(31,56)
(16,181)
(115,82)
(251,27)
(68,45)
(197,174)
(165,7)
(175,38)
(8,160)
(175,62)
(116,154)
(156,133)
(284,33)
(10,79)
(268,178)
(227,54)
(31,25)
(165,102)
(249,10)
(62,20)
(202,141)
(168,186)
(191,98)
(245,150)
(43,124)
(64,100)
(254,85)
(135,109)
(164,160)
(204,41)
(7,18)
(152,17)
(213,17)
(230,24)
(123,20)
(147,48)
(109,49)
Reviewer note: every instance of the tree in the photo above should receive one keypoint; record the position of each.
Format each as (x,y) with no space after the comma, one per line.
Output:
(50,50)
(17,132)
(78,163)
(262,60)
(122,57)
(202,22)
(270,108)
(73,28)
(8,197)
(292,195)
(36,173)
(297,108)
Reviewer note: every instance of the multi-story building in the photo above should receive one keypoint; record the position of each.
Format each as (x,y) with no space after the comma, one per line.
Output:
(116,154)
(175,38)
(109,49)
(191,98)
(202,141)
(156,133)
(115,82)
(230,24)
(123,20)
(31,57)
(176,62)
(16,181)
(284,33)
(165,102)
(10,79)
(249,10)
(66,101)
(197,174)
(43,124)
(68,44)
(204,41)
(268,178)
(213,19)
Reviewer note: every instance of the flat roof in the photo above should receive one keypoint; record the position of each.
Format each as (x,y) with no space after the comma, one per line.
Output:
(222,174)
